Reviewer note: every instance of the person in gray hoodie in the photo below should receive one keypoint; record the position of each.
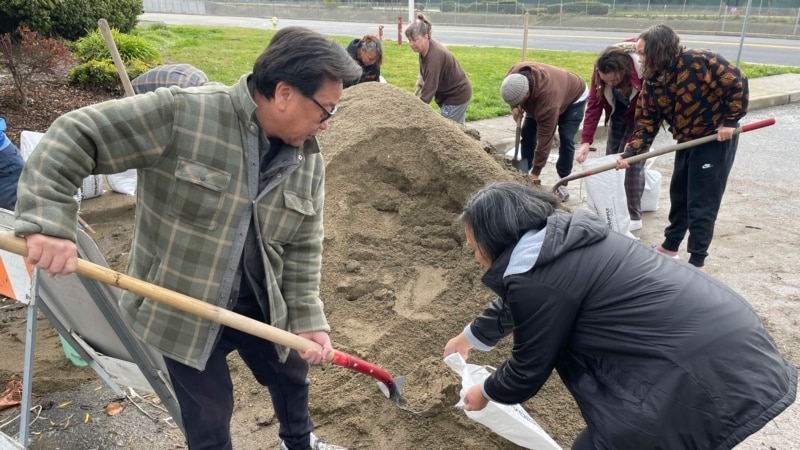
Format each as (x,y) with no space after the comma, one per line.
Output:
(656,354)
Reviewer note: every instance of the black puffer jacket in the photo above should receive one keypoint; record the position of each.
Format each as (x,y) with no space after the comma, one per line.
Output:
(657,354)
(371,72)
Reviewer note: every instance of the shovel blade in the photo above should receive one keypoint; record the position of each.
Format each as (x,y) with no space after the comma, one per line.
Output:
(394,391)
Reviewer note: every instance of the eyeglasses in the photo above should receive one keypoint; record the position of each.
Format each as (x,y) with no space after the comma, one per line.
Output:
(325,113)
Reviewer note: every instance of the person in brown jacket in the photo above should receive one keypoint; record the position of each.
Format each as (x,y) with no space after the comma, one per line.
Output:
(440,76)
(551,99)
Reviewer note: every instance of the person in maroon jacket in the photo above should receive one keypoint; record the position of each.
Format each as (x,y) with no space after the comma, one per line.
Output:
(616,83)
(440,76)
(551,99)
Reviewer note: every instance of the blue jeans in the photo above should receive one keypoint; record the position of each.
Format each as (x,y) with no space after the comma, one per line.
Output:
(11,164)
(568,124)
(206,397)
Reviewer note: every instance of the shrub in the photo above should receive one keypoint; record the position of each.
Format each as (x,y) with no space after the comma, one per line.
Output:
(35,14)
(31,60)
(93,47)
(96,74)
(136,67)
(98,70)
(69,19)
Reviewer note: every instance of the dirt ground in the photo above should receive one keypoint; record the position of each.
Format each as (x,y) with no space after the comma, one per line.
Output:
(398,282)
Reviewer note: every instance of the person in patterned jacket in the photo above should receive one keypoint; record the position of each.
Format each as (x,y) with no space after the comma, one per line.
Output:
(697,93)
(231,187)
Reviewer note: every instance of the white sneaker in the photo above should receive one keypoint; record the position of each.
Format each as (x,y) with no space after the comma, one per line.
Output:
(317,444)
(635,225)
(562,193)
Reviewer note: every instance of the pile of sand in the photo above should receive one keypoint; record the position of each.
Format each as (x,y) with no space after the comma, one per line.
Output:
(398,280)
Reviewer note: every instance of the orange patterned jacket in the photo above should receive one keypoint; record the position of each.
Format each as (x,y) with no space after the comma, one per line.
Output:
(701,92)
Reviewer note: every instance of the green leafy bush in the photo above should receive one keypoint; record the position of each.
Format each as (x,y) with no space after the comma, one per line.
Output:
(136,67)
(69,19)
(96,74)
(130,47)
(98,69)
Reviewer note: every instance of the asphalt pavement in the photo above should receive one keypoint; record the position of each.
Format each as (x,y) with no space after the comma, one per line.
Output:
(764,92)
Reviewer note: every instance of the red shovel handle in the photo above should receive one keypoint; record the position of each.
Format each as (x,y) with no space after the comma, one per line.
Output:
(393,387)
(758,124)
(359,365)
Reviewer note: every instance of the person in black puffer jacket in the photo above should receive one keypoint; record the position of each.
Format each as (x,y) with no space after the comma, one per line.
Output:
(368,53)
(656,354)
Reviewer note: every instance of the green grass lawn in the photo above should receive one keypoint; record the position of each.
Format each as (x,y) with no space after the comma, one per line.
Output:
(224,54)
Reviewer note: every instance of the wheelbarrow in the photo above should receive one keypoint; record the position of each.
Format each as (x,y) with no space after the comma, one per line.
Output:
(390,387)
(668,149)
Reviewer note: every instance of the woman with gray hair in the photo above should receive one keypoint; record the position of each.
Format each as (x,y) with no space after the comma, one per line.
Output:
(655,353)
(368,53)
(441,78)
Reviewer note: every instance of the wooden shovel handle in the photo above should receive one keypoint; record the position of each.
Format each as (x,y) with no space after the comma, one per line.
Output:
(105,30)
(668,149)
(18,245)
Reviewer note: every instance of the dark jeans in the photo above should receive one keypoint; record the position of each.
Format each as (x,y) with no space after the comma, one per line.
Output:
(568,124)
(206,397)
(695,193)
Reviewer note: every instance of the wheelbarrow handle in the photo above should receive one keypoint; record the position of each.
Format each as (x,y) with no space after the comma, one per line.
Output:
(668,149)
(14,244)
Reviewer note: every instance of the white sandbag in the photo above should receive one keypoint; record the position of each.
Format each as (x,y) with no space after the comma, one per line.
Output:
(92,185)
(509,421)
(652,187)
(27,142)
(124,183)
(606,195)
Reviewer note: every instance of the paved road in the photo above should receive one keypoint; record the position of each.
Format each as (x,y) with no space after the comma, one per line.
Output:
(765,156)
(754,50)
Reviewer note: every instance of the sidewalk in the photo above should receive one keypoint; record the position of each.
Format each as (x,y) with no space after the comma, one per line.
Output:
(764,92)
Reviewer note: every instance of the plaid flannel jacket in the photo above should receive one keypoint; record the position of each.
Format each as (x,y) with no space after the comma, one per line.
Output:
(196,151)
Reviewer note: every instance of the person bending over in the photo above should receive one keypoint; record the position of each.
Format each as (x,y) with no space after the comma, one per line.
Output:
(657,355)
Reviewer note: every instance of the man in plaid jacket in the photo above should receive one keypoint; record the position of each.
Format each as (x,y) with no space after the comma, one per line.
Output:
(229,211)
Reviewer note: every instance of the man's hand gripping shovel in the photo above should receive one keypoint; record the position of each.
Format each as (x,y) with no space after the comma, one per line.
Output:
(391,387)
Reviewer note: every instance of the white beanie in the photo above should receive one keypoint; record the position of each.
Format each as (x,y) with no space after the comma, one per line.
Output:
(514,88)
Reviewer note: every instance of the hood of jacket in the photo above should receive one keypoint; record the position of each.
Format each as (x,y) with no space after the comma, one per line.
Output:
(564,232)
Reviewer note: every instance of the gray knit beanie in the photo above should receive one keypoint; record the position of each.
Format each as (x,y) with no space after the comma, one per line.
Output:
(514,88)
